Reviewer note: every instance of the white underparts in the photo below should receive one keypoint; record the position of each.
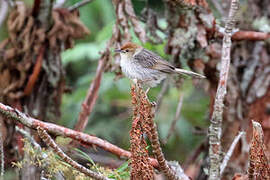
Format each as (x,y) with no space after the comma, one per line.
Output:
(134,70)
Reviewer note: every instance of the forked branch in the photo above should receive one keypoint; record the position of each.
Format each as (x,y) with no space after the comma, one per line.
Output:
(87,139)
(50,142)
(215,129)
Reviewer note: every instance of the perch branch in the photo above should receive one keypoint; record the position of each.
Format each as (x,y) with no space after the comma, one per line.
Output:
(50,142)
(215,130)
(30,122)
(148,113)
(230,151)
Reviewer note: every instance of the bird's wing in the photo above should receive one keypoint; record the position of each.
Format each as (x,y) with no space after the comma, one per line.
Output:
(150,60)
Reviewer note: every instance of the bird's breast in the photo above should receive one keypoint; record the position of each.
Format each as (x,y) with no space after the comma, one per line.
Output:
(128,67)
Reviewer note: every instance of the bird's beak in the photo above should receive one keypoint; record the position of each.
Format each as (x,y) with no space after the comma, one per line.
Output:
(117,50)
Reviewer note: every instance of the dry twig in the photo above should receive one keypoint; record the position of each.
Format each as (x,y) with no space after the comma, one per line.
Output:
(30,122)
(246,35)
(79,4)
(230,151)
(92,95)
(163,91)
(176,117)
(215,129)
(50,142)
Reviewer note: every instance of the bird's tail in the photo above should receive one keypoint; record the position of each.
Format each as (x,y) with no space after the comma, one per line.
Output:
(188,73)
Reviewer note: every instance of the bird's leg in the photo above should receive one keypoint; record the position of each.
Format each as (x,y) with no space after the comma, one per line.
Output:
(146,92)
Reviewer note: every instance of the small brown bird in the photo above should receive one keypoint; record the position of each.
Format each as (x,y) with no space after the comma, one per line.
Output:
(144,66)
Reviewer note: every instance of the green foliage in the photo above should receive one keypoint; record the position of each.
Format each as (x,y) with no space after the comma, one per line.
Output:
(52,165)
(121,173)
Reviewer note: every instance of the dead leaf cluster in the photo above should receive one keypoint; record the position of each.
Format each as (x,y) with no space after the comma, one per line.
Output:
(20,51)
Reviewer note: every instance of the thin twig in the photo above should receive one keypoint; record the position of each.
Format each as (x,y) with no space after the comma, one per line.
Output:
(164,89)
(28,137)
(38,149)
(176,117)
(79,4)
(246,35)
(92,95)
(87,139)
(50,142)
(139,31)
(215,129)
(230,151)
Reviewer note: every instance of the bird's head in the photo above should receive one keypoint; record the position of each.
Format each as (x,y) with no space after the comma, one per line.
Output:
(128,49)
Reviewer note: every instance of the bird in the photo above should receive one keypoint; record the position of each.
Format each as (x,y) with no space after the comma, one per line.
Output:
(145,67)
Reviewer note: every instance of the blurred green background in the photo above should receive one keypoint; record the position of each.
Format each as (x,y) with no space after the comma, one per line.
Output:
(111,117)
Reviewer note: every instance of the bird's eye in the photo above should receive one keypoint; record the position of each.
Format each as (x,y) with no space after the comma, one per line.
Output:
(127,50)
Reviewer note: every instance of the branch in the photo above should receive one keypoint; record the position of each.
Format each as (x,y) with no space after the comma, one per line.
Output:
(139,31)
(250,35)
(79,4)
(37,147)
(30,139)
(163,91)
(49,142)
(42,10)
(215,130)
(92,95)
(230,151)
(176,117)
(30,122)
(36,71)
